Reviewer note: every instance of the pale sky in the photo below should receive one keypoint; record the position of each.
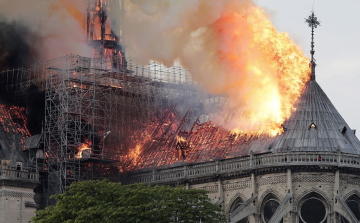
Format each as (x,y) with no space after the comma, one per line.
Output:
(337,46)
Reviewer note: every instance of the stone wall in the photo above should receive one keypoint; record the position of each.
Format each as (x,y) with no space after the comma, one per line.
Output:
(16,204)
(303,185)
(244,187)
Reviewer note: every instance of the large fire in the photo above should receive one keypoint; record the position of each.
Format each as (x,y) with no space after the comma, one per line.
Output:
(244,57)
(277,69)
(260,70)
(161,142)
(230,48)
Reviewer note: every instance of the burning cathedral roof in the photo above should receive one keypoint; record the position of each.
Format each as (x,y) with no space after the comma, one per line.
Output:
(13,132)
(315,125)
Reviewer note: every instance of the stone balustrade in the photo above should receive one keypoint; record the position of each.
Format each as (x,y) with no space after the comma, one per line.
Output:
(268,160)
(10,174)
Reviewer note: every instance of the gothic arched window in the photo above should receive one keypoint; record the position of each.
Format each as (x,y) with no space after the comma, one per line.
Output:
(236,204)
(353,203)
(269,207)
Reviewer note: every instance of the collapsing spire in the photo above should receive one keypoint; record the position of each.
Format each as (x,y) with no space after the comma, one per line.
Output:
(313,23)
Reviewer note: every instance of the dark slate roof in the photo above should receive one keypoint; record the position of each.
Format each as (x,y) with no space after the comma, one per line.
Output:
(32,142)
(329,132)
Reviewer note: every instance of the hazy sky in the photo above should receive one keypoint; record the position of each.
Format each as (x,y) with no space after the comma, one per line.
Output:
(337,46)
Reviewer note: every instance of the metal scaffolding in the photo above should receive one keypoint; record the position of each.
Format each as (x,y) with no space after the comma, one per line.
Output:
(78,116)
(92,109)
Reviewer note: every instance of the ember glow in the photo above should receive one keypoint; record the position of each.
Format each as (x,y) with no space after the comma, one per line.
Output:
(13,120)
(161,143)
(230,48)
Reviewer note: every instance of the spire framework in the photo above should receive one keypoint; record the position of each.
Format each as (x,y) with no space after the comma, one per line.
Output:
(313,22)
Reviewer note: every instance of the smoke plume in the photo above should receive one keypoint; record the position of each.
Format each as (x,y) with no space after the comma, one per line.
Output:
(230,47)
(35,31)
(15,48)
(15,51)
(41,30)
(35,109)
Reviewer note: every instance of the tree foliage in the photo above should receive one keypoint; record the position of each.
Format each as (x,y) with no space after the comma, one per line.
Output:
(103,201)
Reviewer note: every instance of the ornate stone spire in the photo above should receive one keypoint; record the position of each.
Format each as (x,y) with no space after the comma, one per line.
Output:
(313,23)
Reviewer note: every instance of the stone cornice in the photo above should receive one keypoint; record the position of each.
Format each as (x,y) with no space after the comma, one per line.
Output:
(244,166)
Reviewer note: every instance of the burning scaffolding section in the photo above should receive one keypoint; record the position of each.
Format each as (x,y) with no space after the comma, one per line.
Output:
(80,110)
(96,115)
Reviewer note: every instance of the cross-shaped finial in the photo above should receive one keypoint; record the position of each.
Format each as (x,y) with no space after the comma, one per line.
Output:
(313,22)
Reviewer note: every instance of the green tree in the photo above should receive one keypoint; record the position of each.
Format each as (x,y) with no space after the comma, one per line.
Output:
(104,201)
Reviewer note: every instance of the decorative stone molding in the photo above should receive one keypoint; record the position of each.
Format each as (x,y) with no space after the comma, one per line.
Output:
(210,189)
(354,192)
(313,178)
(237,185)
(11,193)
(309,191)
(271,180)
(350,180)
(261,164)
(18,183)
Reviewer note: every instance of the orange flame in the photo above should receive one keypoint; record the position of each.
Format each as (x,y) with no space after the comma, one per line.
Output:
(230,48)
(133,155)
(13,120)
(272,72)
(84,146)
(180,139)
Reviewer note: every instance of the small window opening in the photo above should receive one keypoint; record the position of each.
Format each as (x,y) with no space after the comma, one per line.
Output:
(19,165)
(312,126)
(353,203)
(269,208)
(343,130)
(236,204)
